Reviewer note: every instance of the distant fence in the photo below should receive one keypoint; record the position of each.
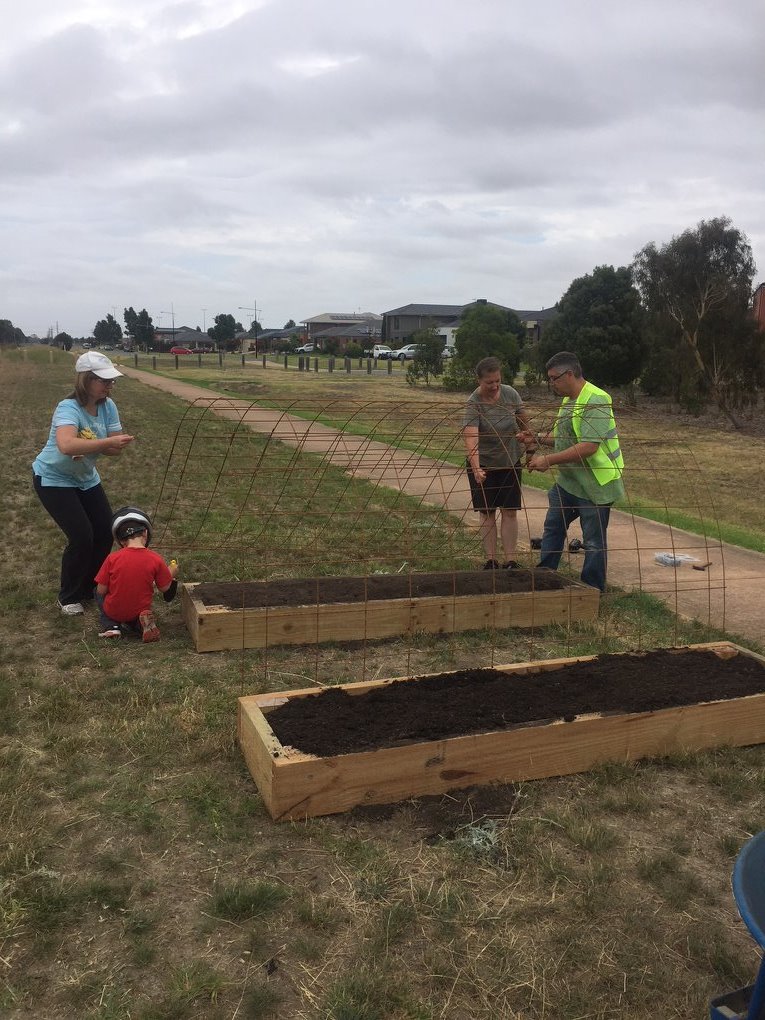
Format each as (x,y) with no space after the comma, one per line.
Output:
(296,362)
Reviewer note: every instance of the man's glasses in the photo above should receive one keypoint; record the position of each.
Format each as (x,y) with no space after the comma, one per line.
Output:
(555,378)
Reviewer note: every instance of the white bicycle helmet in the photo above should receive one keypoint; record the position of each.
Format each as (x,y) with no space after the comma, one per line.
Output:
(129,521)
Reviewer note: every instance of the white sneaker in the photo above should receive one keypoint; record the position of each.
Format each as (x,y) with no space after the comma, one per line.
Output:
(71,608)
(112,632)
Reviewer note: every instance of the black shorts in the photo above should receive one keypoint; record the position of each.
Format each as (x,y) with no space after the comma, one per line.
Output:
(501,490)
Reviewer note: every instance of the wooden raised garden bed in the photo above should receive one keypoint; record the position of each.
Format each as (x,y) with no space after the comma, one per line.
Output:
(257,614)
(315,752)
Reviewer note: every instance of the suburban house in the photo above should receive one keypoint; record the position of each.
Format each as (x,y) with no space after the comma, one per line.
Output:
(330,325)
(534,321)
(272,339)
(181,336)
(400,324)
(363,335)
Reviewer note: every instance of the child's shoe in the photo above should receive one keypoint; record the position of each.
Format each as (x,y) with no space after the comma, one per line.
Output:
(149,627)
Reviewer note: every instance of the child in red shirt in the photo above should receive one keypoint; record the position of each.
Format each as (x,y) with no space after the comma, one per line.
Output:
(127,578)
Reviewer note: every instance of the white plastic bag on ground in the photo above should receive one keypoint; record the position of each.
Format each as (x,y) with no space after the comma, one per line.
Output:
(674,559)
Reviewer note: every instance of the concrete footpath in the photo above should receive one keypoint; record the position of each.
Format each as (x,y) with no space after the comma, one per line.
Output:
(727,594)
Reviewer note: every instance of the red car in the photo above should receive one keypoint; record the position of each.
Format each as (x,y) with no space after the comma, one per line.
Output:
(181,350)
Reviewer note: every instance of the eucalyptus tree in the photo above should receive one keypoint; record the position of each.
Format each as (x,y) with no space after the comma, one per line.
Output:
(704,343)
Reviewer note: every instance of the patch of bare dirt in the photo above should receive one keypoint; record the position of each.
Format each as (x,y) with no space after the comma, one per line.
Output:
(311,591)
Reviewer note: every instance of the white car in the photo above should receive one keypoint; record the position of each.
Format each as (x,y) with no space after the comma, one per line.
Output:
(406,353)
(305,349)
(381,351)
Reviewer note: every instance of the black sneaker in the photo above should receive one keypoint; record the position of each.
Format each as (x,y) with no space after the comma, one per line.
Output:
(491,565)
(111,632)
(512,565)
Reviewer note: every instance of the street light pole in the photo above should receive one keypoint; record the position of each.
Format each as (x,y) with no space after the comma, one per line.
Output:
(172,319)
(254,310)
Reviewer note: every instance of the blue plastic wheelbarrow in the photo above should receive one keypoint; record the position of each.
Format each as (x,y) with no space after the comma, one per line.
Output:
(749,893)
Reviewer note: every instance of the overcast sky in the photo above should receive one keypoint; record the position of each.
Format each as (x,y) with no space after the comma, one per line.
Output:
(345,155)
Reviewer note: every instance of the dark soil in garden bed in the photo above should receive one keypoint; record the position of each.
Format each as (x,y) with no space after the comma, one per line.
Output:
(324,590)
(482,700)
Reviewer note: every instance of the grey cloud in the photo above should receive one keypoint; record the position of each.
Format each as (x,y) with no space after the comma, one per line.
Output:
(492,146)
(72,67)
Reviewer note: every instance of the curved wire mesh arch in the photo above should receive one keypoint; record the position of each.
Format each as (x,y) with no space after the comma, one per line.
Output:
(351,487)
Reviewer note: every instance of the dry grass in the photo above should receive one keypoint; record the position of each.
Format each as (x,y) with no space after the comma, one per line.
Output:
(141,878)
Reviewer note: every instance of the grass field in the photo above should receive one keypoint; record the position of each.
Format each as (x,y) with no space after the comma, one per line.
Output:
(140,876)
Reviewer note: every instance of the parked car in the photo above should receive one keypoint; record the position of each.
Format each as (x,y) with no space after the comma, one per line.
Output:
(181,350)
(448,352)
(305,349)
(381,351)
(406,353)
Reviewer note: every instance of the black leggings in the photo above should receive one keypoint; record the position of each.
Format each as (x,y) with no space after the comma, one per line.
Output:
(85,517)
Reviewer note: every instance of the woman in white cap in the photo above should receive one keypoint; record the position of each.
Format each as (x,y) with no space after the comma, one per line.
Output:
(85,425)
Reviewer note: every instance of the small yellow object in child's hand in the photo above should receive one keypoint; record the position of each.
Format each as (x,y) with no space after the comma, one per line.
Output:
(87,433)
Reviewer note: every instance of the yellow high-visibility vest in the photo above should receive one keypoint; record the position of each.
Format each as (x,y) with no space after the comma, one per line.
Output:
(607,462)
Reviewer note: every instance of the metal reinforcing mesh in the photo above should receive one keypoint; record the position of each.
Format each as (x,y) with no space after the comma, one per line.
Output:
(352,488)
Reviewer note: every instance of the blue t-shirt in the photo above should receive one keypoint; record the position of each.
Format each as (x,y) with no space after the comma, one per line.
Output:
(56,468)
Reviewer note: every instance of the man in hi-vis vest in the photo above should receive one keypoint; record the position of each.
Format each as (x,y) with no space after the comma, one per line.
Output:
(588,467)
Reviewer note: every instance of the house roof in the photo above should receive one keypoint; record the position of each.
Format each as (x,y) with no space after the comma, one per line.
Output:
(178,329)
(441,311)
(348,317)
(272,334)
(457,311)
(537,316)
(434,310)
(358,329)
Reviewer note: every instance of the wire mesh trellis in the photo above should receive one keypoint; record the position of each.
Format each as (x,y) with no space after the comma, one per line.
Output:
(350,488)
